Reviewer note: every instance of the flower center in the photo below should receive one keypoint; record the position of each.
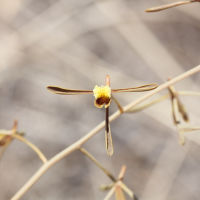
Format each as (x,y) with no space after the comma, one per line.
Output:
(103,92)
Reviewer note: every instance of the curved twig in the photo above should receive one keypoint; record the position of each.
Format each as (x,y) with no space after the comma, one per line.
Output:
(32,146)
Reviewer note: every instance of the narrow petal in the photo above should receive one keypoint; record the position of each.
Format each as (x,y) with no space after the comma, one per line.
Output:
(159,8)
(65,91)
(142,88)
(108,136)
(119,193)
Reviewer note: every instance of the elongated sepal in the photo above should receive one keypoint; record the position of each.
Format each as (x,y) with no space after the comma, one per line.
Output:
(108,136)
(119,193)
(142,88)
(66,91)
(109,143)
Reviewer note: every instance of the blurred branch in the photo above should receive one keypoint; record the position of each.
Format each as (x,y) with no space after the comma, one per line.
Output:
(77,145)
(171,5)
(3,148)
(93,159)
(118,104)
(32,146)
(139,108)
(188,93)
(110,193)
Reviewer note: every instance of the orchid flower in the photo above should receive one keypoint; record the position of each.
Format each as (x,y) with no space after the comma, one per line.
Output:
(102,96)
(159,8)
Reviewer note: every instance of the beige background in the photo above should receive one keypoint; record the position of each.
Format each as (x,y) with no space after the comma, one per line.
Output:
(75,44)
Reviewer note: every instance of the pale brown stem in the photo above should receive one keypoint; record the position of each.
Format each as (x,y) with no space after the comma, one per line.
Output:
(118,104)
(110,193)
(189,128)
(159,8)
(128,191)
(122,172)
(32,146)
(93,159)
(108,80)
(119,194)
(142,107)
(78,144)
(188,93)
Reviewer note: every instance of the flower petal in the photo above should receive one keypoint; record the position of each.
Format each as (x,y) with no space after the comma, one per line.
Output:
(119,193)
(108,136)
(66,91)
(107,104)
(137,89)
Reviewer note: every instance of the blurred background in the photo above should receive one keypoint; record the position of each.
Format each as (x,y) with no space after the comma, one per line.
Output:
(75,44)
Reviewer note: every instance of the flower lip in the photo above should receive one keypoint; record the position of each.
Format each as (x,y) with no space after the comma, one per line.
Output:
(102,95)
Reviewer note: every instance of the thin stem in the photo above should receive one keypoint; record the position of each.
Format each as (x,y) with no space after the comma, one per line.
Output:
(118,104)
(94,131)
(110,193)
(188,93)
(159,8)
(122,173)
(142,107)
(127,190)
(93,159)
(189,128)
(119,194)
(3,148)
(32,146)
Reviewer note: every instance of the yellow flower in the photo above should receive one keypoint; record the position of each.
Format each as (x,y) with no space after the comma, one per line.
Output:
(103,95)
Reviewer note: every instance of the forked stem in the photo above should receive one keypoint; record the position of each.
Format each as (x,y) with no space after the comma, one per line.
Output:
(95,161)
(79,143)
